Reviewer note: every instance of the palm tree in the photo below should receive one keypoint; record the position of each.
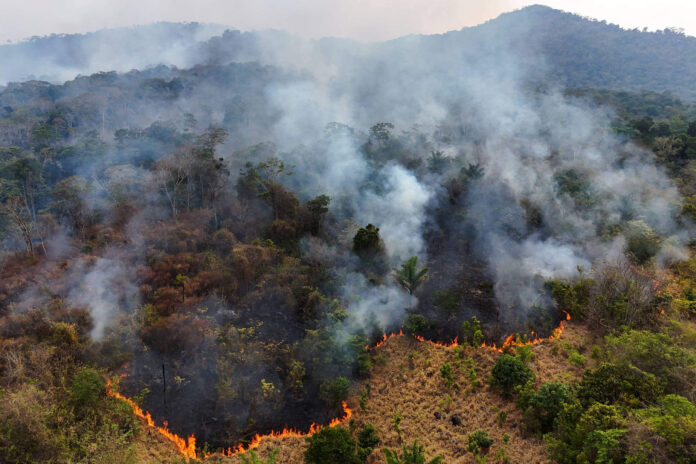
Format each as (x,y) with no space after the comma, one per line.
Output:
(409,277)
(415,455)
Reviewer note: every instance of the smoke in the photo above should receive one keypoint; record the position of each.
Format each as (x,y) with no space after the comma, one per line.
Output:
(105,289)
(555,179)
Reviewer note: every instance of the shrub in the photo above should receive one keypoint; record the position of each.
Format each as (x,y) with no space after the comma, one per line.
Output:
(332,444)
(86,389)
(471,332)
(509,372)
(656,354)
(364,365)
(250,457)
(611,383)
(335,391)
(414,455)
(446,373)
(479,440)
(368,439)
(543,406)
(416,324)
(577,359)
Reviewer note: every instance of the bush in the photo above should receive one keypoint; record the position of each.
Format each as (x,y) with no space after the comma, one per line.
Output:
(612,383)
(446,373)
(86,389)
(364,365)
(479,440)
(416,324)
(415,455)
(510,372)
(368,439)
(334,392)
(577,359)
(656,354)
(332,444)
(543,406)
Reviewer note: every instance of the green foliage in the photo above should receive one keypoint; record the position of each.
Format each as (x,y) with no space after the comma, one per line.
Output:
(409,276)
(335,391)
(478,441)
(472,333)
(655,354)
(87,388)
(618,383)
(577,359)
(524,353)
(250,457)
(510,372)
(413,455)
(416,324)
(368,439)
(543,406)
(396,423)
(641,241)
(446,373)
(332,444)
(367,240)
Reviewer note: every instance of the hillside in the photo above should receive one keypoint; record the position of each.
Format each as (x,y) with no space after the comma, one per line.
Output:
(577,52)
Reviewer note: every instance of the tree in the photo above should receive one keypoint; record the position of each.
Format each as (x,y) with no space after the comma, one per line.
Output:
(509,372)
(20,218)
(264,177)
(69,195)
(367,240)
(332,445)
(415,455)
(368,439)
(409,277)
(317,208)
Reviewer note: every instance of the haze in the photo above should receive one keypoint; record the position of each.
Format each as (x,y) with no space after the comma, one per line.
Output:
(367,20)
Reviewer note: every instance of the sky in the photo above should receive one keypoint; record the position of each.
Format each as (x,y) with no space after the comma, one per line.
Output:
(368,20)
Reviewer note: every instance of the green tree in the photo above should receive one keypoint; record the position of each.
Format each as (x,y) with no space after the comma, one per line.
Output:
(368,439)
(509,372)
(332,445)
(409,276)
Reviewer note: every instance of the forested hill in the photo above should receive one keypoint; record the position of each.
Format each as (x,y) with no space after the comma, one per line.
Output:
(578,52)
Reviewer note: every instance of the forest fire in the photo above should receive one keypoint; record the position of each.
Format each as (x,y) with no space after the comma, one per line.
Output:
(286,433)
(187,447)
(510,341)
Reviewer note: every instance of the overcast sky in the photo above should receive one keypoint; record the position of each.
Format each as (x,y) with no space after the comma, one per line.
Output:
(360,19)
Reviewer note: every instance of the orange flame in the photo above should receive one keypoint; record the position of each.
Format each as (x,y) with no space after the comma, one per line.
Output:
(186,447)
(286,433)
(509,341)
(384,340)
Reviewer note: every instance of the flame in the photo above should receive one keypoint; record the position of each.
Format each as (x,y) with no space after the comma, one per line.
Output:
(509,342)
(187,447)
(384,339)
(286,433)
